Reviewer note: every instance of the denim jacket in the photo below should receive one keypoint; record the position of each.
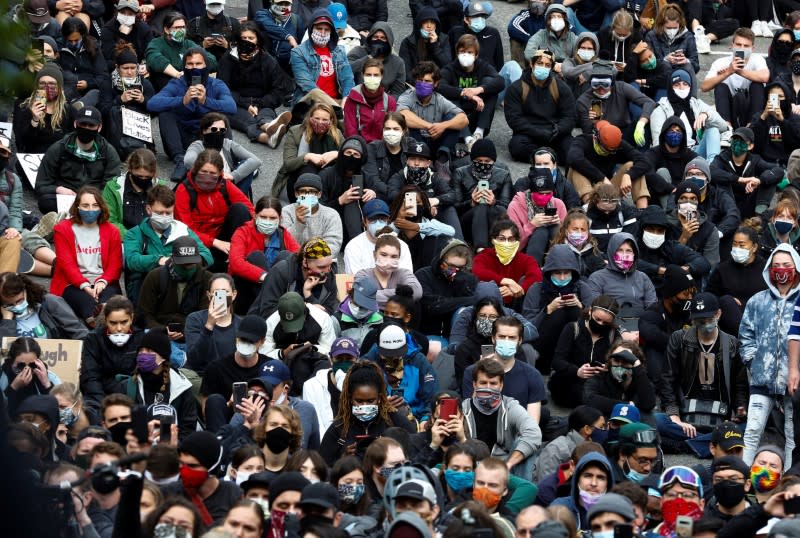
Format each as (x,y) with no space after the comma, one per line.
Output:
(306,66)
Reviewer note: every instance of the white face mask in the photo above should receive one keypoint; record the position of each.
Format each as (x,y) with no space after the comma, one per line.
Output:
(652,240)
(126,20)
(242,477)
(740,255)
(671,32)
(215,9)
(585,54)
(372,82)
(119,339)
(683,93)
(245,349)
(466,59)
(557,24)
(393,138)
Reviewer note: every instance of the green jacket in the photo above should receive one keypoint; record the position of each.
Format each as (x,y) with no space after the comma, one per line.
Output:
(113,193)
(143,249)
(61,167)
(13,200)
(162,52)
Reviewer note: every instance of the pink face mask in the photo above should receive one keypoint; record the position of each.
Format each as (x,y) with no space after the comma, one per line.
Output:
(386,264)
(541,199)
(624,261)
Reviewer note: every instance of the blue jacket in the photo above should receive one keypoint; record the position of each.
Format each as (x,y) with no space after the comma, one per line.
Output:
(573,501)
(306,64)
(419,384)
(762,333)
(277,33)
(522,26)
(170,98)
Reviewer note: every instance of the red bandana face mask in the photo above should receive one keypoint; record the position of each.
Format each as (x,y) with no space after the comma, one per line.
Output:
(192,478)
(673,508)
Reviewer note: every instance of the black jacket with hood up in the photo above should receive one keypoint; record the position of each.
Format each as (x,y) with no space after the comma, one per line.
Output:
(539,116)
(45,406)
(438,53)
(394,68)
(335,182)
(675,163)
(776,139)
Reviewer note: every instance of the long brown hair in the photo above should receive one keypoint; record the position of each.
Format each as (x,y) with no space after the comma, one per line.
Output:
(573,215)
(12,284)
(333,130)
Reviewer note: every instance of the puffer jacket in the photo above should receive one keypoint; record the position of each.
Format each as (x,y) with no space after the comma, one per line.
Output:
(630,288)
(464,183)
(670,252)
(439,52)
(661,45)
(562,46)
(603,226)
(306,64)
(664,116)
(765,322)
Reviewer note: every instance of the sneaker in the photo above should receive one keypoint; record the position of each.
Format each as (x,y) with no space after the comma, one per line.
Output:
(277,136)
(725,139)
(702,41)
(44,228)
(756,28)
(774,26)
(471,140)
(765,31)
(179,172)
(283,119)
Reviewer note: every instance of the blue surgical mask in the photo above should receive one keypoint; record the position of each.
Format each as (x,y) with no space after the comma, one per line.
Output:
(18,309)
(376,226)
(541,73)
(266,226)
(424,33)
(603,534)
(459,480)
(796,35)
(635,476)
(505,349)
(75,47)
(559,282)
(89,216)
(477,24)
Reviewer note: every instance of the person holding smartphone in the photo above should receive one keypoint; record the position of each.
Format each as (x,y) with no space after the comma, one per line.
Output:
(214,30)
(537,214)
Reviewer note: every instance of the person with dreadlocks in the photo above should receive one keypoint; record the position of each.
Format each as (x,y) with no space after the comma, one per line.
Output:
(158,386)
(364,414)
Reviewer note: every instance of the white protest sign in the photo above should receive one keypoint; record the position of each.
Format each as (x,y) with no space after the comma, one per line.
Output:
(137,125)
(64,202)
(30,164)
(5,129)
(63,357)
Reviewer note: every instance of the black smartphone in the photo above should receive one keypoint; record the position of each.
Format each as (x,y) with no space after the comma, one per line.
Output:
(597,364)
(567,296)
(550,211)
(363,441)
(239,392)
(623,530)
(165,423)
(196,80)
(487,350)
(175,327)
(358,181)
(792,506)
(137,87)
(738,54)
(139,423)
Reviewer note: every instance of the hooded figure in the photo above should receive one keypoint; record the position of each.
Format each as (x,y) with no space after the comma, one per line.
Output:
(338,178)
(767,316)
(579,66)
(43,406)
(628,286)
(562,43)
(394,68)
(667,159)
(416,47)
(657,250)
(580,500)
(446,288)
(777,134)
(716,201)
(779,55)
(311,64)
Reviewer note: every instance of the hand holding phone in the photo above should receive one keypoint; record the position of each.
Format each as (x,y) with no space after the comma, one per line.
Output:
(220,299)
(239,393)
(487,350)
(410,204)
(448,408)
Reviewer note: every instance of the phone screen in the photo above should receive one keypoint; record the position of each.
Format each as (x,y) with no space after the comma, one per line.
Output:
(239,392)
(487,350)
(623,530)
(196,80)
(550,211)
(165,423)
(139,423)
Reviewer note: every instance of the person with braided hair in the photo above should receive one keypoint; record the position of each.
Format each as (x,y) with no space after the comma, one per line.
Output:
(364,414)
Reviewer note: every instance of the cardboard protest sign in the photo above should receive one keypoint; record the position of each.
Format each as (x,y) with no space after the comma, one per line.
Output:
(30,164)
(61,356)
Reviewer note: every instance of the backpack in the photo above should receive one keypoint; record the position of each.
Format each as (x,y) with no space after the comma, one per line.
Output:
(303,362)
(193,193)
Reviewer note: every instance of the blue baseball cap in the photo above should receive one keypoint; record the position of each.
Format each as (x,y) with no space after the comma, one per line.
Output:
(339,15)
(274,372)
(627,413)
(374,208)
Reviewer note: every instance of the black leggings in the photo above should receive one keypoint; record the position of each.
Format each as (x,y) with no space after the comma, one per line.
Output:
(82,304)
(237,215)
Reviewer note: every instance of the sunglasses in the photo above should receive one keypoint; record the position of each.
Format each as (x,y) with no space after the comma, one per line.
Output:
(217,129)
(20,366)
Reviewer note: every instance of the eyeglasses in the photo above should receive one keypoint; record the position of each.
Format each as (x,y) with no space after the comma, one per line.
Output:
(505,239)
(685,495)
(43,85)
(489,317)
(610,201)
(306,192)
(645,462)
(683,475)
(217,129)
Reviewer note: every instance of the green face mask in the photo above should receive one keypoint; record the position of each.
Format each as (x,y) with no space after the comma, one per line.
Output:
(184,273)
(739,147)
(342,366)
(649,64)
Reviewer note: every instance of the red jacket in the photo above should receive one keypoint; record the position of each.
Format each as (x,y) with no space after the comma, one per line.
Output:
(247,239)
(207,217)
(523,269)
(370,126)
(66,271)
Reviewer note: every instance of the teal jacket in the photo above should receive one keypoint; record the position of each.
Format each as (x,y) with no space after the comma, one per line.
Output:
(143,249)
(162,52)
(12,199)
(113,193)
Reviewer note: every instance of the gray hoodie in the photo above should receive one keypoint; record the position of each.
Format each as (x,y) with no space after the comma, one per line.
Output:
(394,69)
(629,288)
(516,429)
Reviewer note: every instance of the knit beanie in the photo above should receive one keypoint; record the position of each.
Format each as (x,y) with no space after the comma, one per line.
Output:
(51,70)
(203,446)
(286,481)
(158,341)
(483,148)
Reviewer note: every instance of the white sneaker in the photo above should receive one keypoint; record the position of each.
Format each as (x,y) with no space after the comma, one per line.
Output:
(725,139)
(283,119)
(756,28)
(702,41)
(772,25)
(765,31)
(276,137)
(470,141)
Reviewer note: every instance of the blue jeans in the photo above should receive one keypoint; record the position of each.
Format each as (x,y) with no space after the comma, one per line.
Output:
(758,412)
(635,110)
(511,71)
(709,147)
(578,28)
(698,444)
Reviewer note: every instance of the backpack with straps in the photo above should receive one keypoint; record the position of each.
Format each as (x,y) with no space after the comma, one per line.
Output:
(193,193)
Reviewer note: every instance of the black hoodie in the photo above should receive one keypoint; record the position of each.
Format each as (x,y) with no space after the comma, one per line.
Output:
(776,139)
(438,53)
(334,182)
(675,163)
(778,59)
(46,406)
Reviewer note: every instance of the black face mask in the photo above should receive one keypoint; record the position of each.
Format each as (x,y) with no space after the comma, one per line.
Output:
(143,183)
(189,74)
(277,440)
(349,163)
(213,140)
(728,493)
(247,47)
(783,51)
(379,49)
(85,135)
(597,328)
